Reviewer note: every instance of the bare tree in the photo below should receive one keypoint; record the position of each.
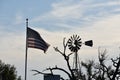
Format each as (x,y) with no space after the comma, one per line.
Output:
(94,71)
(71,75)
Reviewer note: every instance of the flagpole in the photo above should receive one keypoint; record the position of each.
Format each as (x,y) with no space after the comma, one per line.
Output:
(26,52)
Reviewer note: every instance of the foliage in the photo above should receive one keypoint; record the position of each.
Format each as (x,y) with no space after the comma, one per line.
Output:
(8,72)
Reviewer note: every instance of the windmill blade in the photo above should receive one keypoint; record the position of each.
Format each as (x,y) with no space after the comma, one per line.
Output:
(69,41)
(71,38)
(78,37)
(75,36)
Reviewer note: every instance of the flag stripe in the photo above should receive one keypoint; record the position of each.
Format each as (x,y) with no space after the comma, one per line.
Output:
(34,40)
(37,42)
(35,46)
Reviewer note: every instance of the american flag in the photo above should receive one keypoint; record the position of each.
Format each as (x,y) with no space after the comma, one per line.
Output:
(34,40)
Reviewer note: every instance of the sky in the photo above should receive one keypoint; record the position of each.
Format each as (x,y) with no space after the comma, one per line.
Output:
(97,20)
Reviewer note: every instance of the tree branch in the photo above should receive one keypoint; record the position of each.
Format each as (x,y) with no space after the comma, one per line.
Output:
(57,50)
(38,72)
(56,68)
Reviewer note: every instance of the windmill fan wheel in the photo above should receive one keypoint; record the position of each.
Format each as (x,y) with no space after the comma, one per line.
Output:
(74,43)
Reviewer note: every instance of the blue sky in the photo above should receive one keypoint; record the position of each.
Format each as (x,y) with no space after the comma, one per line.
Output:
(98,20)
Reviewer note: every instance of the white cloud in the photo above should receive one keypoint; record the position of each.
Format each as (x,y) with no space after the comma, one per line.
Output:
(64,10)
(81,13)
(108,3)
(72,11)
(107,25)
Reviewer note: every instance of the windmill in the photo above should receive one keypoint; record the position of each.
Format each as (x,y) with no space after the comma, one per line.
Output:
(74,44)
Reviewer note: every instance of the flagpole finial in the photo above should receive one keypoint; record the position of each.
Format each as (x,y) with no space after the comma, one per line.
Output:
(26,22)
(26,19)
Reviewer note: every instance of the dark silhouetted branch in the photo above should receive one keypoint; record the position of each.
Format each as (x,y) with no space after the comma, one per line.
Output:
(56,68)
(116,72)
(38,72)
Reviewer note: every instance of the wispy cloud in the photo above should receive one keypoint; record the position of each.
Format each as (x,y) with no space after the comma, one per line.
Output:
(67,11)
(78,13)
(107,4)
